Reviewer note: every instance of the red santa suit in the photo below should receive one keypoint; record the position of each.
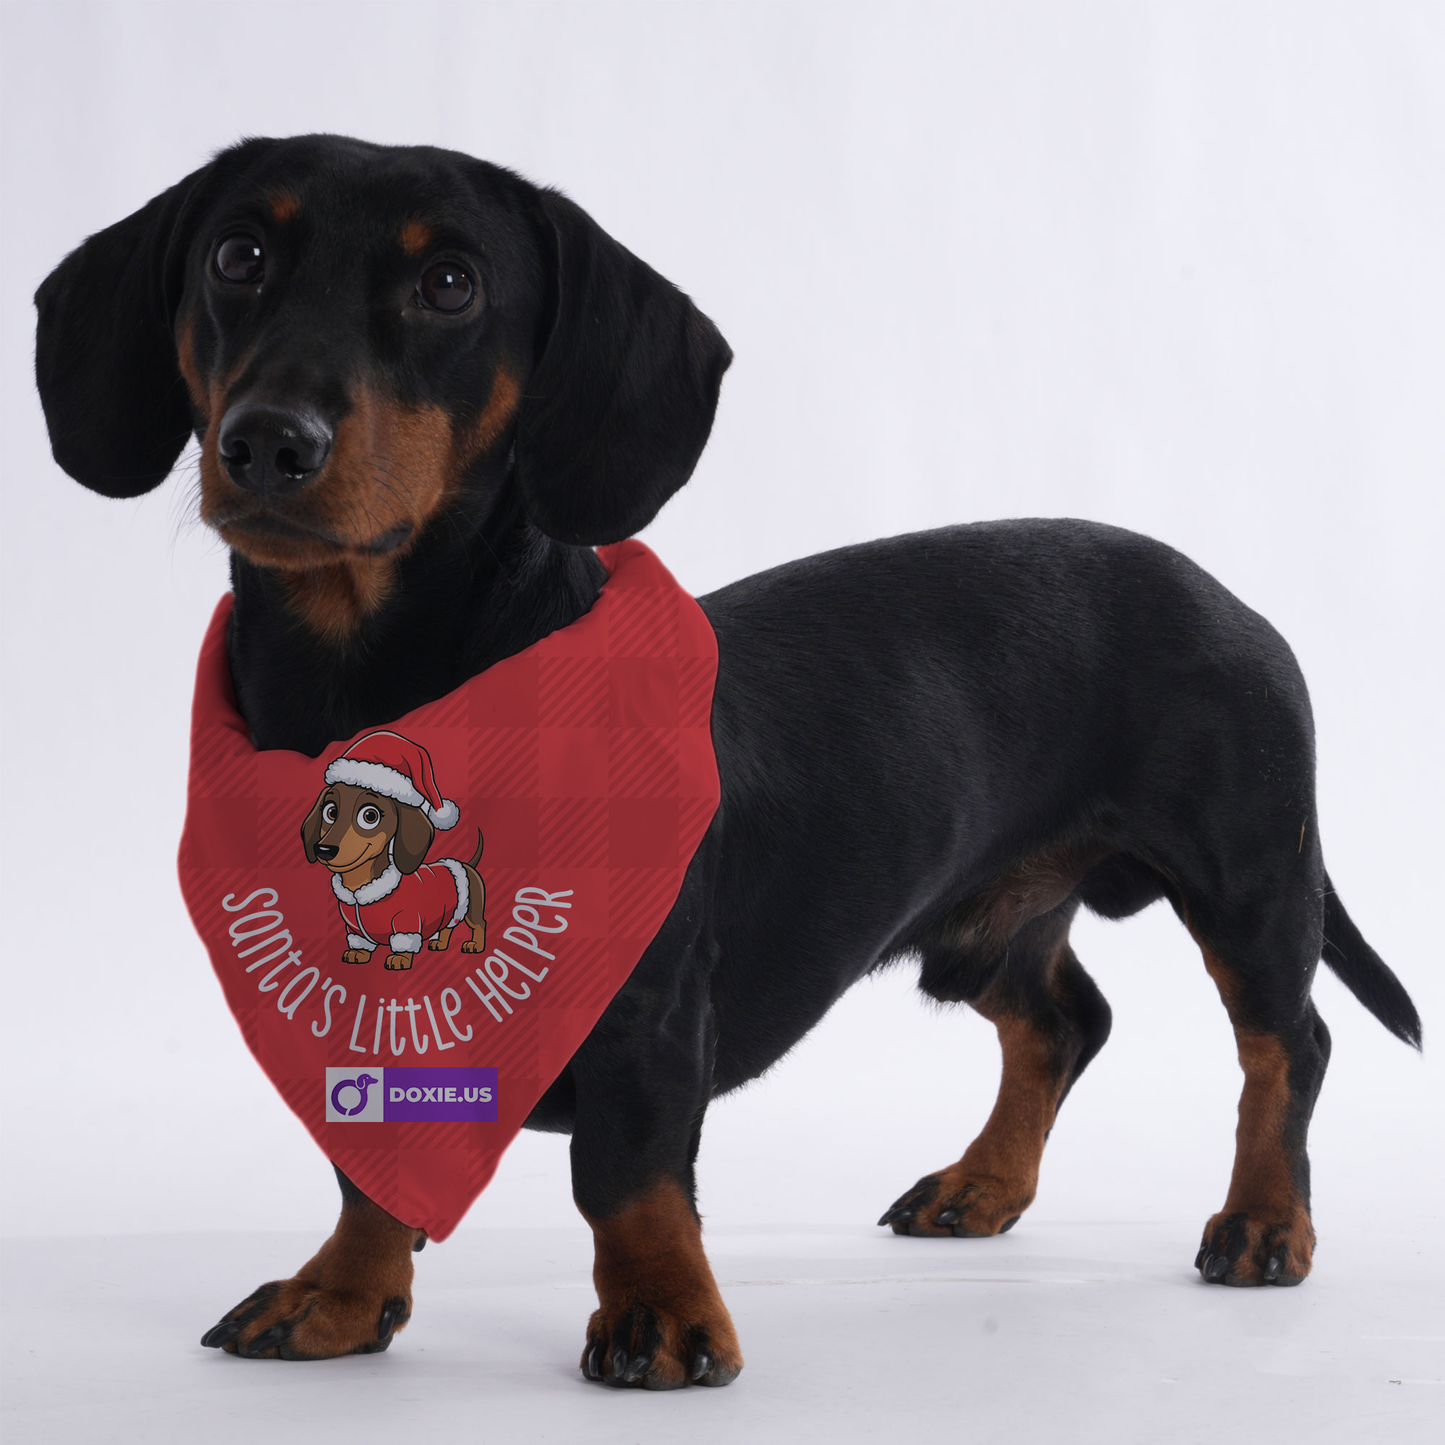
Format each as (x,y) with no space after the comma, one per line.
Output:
(405,909)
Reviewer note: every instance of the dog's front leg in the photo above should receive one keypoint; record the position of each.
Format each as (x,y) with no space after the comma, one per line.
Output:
(642,1083)
(350,1299)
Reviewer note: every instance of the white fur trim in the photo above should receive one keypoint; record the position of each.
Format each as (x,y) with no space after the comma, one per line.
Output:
(371,892)
(446,816)
(406,943)
(360,942)
(376,778)
(464,889)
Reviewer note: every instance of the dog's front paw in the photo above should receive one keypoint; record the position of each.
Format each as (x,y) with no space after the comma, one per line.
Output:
(290,1319)
(399,961)
(1242,1249)
(649,1348)
(356,955)
(960,1203)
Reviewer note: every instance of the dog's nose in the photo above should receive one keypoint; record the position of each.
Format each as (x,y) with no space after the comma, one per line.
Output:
(326,851)
(271,450)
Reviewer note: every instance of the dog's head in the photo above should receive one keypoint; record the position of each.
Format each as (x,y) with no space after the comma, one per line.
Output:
(349,827)
(364,338)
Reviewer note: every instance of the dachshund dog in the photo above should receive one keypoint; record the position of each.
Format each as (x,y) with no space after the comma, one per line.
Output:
(373,845)
(424,389)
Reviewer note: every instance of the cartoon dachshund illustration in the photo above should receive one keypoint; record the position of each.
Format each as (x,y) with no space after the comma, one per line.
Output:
(371,826)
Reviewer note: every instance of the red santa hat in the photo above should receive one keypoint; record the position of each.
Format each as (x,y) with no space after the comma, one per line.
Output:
(397,768)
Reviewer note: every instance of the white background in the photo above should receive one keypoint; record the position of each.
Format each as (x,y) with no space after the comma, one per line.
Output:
(1176,267)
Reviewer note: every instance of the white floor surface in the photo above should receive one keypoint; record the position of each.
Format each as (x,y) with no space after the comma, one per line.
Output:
(1082,1332)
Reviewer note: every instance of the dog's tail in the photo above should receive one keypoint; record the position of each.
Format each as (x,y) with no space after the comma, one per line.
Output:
(482,843)
(1365,973)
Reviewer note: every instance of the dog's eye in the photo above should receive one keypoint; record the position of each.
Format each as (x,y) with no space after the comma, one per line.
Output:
(369,817)
(328,814)
(446,287)
(240,259)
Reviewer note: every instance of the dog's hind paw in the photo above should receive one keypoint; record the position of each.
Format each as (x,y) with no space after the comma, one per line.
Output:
(399,961)
(289,1319)
(959,1204)
(1239,1249)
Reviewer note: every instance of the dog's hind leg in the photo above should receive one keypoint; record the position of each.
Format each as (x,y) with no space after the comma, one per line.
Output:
(349,1299)
(1262,955)
(1051,1021)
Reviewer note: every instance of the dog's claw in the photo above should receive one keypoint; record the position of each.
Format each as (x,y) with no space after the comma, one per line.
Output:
(1201,1256)
(619,1363)
(904,1210)
(391,1311)
(1216,1267)
(947,1217)
(701,1364)
(1273,1265)
(592,1365)
(1008,1224)
(221,1334)
(637,1367)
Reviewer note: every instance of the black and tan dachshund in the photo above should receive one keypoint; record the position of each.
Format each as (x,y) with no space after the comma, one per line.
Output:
(423,390)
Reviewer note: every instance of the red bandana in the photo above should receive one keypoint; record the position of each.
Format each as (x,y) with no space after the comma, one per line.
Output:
(412,1012)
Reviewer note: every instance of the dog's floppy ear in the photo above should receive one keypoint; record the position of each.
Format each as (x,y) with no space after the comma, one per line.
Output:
(311,828)
(105,351)
(621,402)
(414,833)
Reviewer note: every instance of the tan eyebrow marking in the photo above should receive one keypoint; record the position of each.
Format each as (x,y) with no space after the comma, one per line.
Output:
(284,205)
(416,236)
